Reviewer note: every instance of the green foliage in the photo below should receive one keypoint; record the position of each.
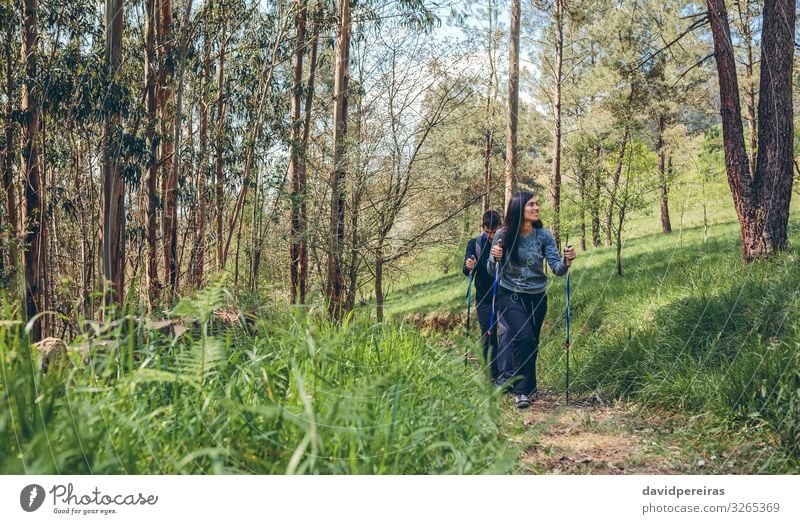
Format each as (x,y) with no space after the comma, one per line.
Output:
(298,396)
(689,329)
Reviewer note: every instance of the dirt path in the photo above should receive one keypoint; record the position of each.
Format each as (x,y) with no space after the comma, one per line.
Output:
(594,437)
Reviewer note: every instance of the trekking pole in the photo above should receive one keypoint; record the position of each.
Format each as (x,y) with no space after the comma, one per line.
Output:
(566,343)
(469,303)
(494,290)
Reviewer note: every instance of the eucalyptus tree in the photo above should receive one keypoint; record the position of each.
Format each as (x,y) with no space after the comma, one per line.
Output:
(10,19)
(513,101)
(33,198)
(412,13)
(113,253)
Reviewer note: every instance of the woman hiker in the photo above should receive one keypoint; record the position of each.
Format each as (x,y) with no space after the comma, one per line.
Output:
(521,247)
(475,260)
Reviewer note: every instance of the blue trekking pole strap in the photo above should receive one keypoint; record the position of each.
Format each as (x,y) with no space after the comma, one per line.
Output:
(494,294)
(568,299)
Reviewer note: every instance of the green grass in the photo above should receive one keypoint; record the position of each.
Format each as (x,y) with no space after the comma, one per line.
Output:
(295,396)
(689,328)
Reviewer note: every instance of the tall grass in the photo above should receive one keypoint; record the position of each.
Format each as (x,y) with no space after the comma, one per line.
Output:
(689,328)
(294,395)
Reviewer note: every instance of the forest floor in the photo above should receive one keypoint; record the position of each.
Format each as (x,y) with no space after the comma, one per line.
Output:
(591,436)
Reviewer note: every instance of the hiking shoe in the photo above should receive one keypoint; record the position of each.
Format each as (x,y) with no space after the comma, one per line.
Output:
(522,401)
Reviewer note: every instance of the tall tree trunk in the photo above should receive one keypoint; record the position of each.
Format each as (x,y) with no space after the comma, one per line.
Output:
(296,191)
(490,99)
(302,270)
(612,201)
(8,164)
(353,266)
(151,177)
(663,178)
(219,177)
(555,200)
(202,172)
(582,194)
(32,217)
(379,282)
(762,198)
(750,83)
(513,102)
(171,263)
(335,282)
(170,153)
(112,187)
(595,200)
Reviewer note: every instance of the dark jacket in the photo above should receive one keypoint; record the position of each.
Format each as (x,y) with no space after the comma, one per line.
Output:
(480,248)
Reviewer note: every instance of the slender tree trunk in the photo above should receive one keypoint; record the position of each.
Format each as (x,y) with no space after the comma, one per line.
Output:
(582,194)
(32,217)
(490,99)
(170,149)
(335,281)
(663,177)
(750,83)
(219,177)
(202,173)
(296,191)
(113,189)
(379,282)
(761,198)
(555,200)
(513,102)
(8,165)
(595,203)
(151,177)
(612,201)
(302,270)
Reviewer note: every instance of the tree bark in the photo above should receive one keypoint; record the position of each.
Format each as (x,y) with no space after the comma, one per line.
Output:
(663,178)
(762,198)
(202,172)
(169,152)
(335,282)
(219,177)
(379,283)
(513,102)
(302,270)
(555,201)
(594,208)
(750,87)
(490,99)
(295,167)
(112,187)
(582,194)
(612,201)
(8,165)
(151,177)
(32,216)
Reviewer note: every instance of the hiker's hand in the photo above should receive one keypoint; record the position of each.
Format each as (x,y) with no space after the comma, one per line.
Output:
(569,254)
(497,250)
(470,263)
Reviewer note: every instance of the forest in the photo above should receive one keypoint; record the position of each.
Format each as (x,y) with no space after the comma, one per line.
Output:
(231,231)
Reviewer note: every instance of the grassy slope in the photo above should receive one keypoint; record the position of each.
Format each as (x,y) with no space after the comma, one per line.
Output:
(688,328)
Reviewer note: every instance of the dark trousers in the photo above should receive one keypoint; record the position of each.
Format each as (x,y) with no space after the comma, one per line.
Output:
(520,323)
(484,310)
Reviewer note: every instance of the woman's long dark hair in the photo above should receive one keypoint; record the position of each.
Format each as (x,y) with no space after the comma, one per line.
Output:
(514,215)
